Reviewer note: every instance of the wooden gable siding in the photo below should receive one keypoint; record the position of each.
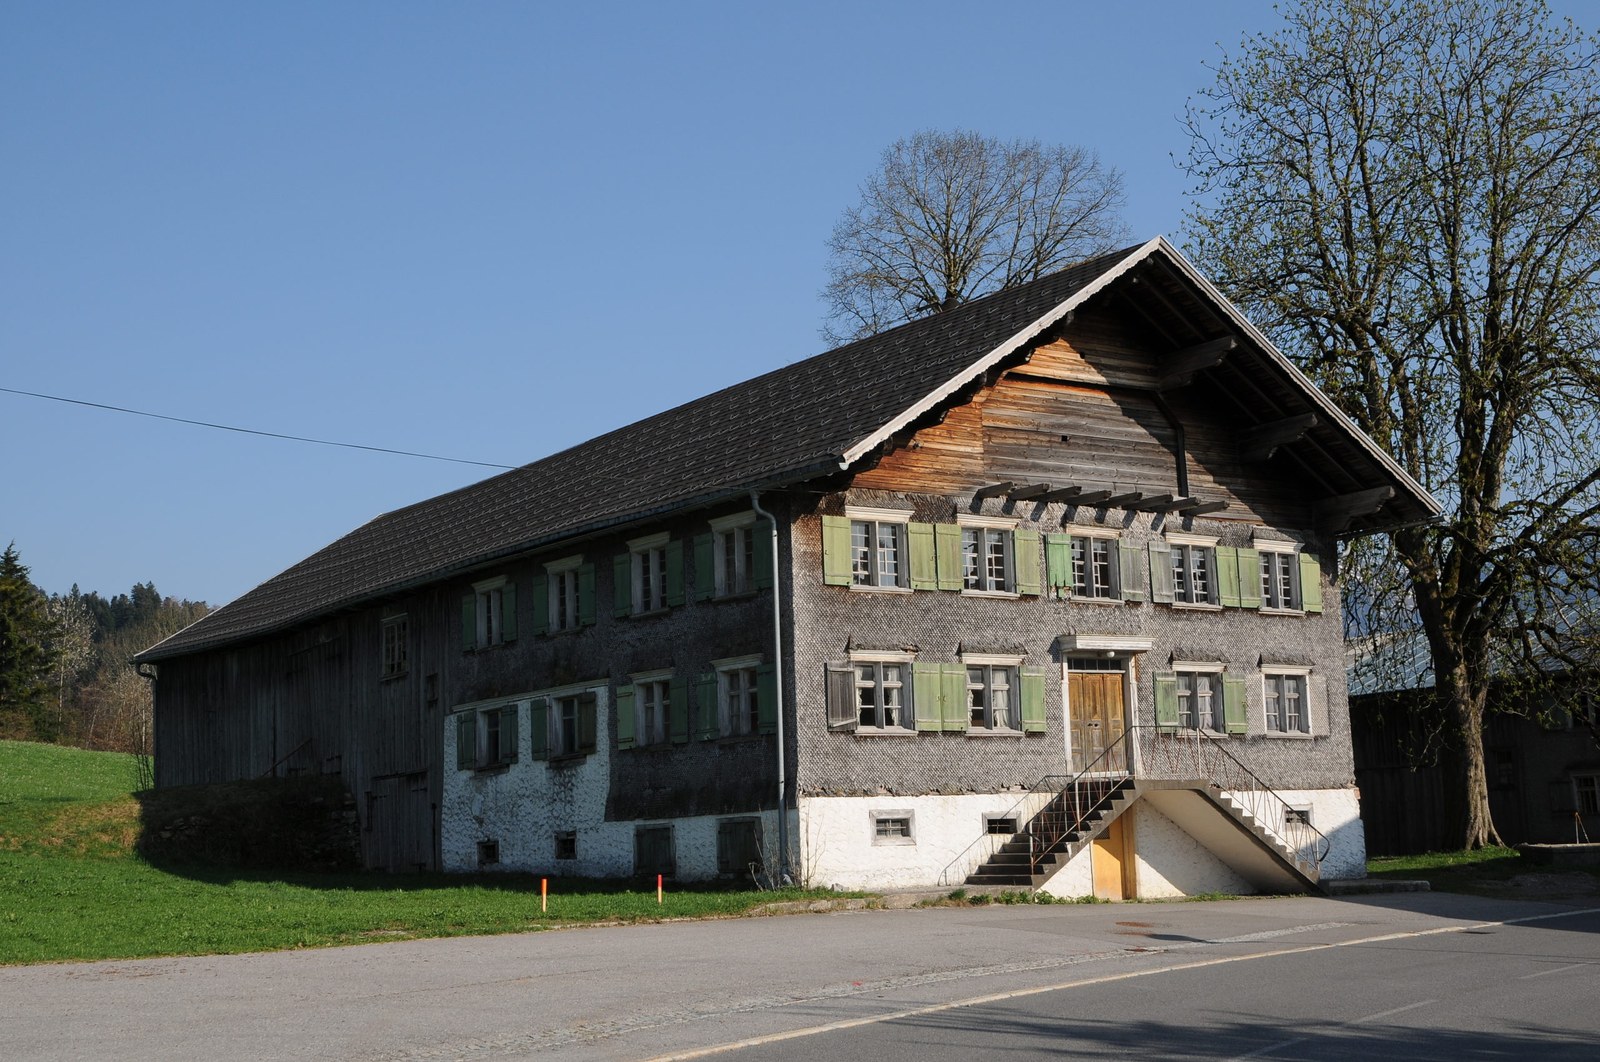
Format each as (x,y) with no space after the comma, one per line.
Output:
(1083,411)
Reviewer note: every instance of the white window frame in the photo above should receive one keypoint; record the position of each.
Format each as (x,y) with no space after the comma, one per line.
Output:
(867,572)
(1276,673)
(1183,587)
(1094,538)
(976,577)
(1187,673)
(487,723)
(394,639)
(1279,561)
(733,553)
(1586,787)
(648,567)
(738,706)
(880,685)
(563,604)
(890,836)
(490,596)
(989,663)
(652,689)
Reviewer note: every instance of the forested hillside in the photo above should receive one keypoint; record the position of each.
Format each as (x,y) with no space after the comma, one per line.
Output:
(65,675)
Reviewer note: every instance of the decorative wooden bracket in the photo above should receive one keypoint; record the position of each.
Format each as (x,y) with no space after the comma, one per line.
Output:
(1200,508)
(1155,503)
(1033,491)
(1333,515)
(1123,501)
(993,490)
(1179,367)
(1263,440)
(1063,494)
(1093,497)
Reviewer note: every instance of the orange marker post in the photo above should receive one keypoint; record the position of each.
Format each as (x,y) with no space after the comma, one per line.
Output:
(658,890)
(544,895)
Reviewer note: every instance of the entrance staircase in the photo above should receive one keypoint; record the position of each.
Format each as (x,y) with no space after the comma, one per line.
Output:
(1191,778)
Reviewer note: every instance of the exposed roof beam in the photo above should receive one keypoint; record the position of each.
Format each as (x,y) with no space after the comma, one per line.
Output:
(1166,503)
(1201,508)
(1262,441)
(1122,501)
(1093,497)
(1333,515)
(1063,494)
(993,490)
(1031,491)
(1179,367)
(1155,503)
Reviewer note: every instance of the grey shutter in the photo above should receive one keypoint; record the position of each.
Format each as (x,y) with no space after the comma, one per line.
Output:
(508,734)
(588,723)
(541,604)
(622,585)
(761,538)
(1235,707)
(1161,588)
(1133,571)
(626,724)
(841,692)
(1166,702)
(947,554)
(586,594)
(466,741)
(919,544)
(469,623)
(674,573)
(1033,687)
(705,576)
(836,551)
(1026,562)
(1228,565)
(1310,583)
(539,728)
(1058,564)
(1249,578)
(707,725)
(678,711)
(1317,708)
(767,699)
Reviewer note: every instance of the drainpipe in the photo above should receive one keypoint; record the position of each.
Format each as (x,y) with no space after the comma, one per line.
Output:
(777,674)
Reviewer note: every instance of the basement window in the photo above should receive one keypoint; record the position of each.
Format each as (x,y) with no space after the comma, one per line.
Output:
(1000,824)
(567,844)
(892,827)
(488,853)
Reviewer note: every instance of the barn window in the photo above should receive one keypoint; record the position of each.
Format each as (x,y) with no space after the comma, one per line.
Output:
(396,648)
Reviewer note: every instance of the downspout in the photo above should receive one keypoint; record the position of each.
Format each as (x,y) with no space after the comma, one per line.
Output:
(777,675)
(1183,451)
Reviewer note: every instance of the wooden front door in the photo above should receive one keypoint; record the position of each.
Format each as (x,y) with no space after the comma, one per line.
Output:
(1095,702)
(1113,863)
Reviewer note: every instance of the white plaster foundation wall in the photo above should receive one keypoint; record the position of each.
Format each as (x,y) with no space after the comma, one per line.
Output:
(1337,813)
(1074,880)
(1167,862)
(837,844)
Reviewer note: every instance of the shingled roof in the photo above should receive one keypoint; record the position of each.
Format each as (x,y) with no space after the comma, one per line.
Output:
(783,427)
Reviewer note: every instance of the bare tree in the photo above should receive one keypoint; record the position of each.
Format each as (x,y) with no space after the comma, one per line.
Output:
(72,632)
(1407,194)
(951,216)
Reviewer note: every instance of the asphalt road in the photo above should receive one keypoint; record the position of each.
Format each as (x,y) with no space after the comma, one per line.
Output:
(1414,976)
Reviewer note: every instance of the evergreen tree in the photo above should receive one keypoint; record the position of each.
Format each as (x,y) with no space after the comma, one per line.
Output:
(26,653)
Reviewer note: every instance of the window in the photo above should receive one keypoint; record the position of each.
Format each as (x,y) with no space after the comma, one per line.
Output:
(992,696)
(486,737)
(1200,701)
(396,637)
(1094,567)
(564,723)
(739,847)
(738,699)
(567,845)
(649,577)
(1193,573)
(1280,579)
(1286,708)
(881,700)
(986,560)
(878,548)
(565,612)
(1293,817)
(652,704)
(1000,824)
(564,711)
(892,827)
(488,853)
(652,851)
(489,614)
(1586,789)
(734,554)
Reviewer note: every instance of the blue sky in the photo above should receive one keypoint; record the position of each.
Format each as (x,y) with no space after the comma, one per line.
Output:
(479,230)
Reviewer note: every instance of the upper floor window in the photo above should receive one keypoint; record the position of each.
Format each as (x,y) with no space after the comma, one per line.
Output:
(396,645)
(564,723)
(489,614)
(649,577)
(564,592)
(1094,566)
(1201,696)
(487,737)
(881,694)
(993,694)
(1200,701)
(1194,570)
(738,698)
(734,553)
(878,551)
(1280,578)
(652,700)
(1287,710)
(988,560)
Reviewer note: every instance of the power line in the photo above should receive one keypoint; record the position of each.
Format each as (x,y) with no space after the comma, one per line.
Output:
(253,431)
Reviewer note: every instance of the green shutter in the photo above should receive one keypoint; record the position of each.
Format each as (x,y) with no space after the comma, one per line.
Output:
(836,550)
(467,741)
(1249,578)
(1166,702)
(707,726)
(469,623)
(541,604)
(1033,684)
(1058,564)
(1310,583)
(1025,543)
(947,553)
(1133,571)
(761,538)
(678,710)
(705,576)
(625,719)
(508,612)
(508,734)
(588,724)
(926,684)
(1161,588)
(767,699)
(1235,712)
(622,585)
(539,728)
(674,573)
(924,571)
(953,696)
(1228,577)
(586,603)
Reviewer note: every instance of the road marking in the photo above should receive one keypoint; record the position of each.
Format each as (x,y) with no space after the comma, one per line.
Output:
(1087,982)
(1280,1045)
(1258,1052)
(1391,1013)
(1558,969)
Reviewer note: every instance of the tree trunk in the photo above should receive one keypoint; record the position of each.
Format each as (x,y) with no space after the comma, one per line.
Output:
(1467,794)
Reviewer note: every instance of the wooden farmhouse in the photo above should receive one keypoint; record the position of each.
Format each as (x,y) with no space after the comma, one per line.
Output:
(1040,591)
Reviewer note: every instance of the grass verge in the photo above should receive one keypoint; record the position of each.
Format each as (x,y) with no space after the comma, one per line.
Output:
(1498,872)
(72,887)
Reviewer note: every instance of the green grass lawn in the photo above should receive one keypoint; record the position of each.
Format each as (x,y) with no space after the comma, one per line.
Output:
(72,886)
(1484,872)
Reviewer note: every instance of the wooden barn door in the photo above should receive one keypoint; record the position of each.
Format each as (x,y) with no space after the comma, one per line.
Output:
(399,824)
